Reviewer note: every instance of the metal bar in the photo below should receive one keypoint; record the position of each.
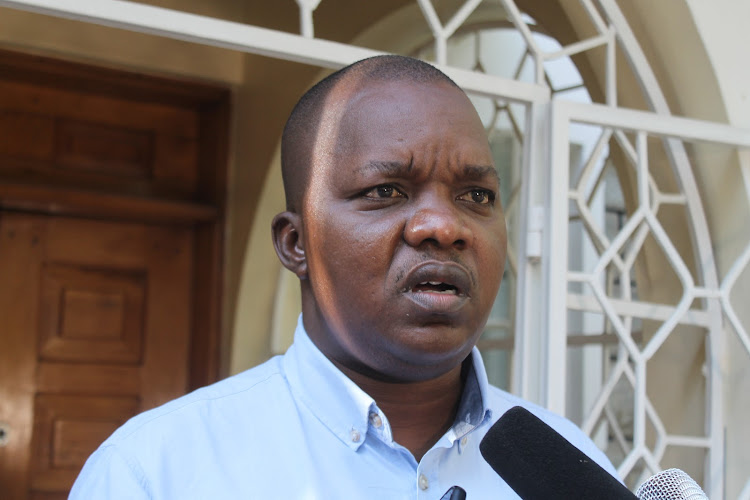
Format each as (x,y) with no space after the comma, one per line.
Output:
(428,11)
(254,40)
(623,331)
(555,258)
(527,380)
(594,15)
(645,310)
(600,405)
(306,9)
(616,430)
(459,17)
(517,19)
(438,32)
(575,48)
(306,22)
(663,125)
(671,199)
(611,70)
(581,339)
(691,441)
(639,404)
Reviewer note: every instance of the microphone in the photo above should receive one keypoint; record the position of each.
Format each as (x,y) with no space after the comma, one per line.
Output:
(455,493)
(539,464)
(670,484)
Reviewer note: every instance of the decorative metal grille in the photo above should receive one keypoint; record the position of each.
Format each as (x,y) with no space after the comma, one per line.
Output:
(642,326)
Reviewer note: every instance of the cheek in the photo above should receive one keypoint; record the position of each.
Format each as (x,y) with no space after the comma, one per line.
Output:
(492,258)
(350,258)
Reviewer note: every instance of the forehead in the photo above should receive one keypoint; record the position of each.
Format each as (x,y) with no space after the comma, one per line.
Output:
(401,118)
(409,109)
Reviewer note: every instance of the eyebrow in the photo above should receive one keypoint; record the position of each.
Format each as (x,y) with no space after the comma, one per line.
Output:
(392,168)
(399,169)
(480,172)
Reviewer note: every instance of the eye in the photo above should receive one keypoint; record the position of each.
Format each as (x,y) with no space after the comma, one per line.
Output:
(480,196)
(384,191)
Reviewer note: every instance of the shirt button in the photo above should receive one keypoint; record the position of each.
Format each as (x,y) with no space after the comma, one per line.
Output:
(376,420)
(355,436)
(423,482)
(464,440)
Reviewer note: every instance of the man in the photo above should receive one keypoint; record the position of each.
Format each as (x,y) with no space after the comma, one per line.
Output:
(395,230)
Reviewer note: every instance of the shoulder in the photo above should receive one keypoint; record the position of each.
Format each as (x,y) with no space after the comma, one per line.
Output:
(233,394)
(169,447)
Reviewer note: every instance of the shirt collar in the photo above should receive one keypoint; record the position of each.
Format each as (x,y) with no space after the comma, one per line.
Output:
(473,408)
(329,394)
(344,408)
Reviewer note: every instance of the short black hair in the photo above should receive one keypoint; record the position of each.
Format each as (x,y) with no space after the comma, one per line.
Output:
(299,131)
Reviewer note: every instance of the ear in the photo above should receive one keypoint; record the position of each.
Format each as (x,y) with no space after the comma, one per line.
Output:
(287,240)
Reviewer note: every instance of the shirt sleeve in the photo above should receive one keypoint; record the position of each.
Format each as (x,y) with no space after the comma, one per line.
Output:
(107,474)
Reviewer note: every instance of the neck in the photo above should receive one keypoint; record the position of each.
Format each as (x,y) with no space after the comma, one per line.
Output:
(419,412)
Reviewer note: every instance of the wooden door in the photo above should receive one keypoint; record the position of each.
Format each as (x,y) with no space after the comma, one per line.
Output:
(111,230)
(95,318)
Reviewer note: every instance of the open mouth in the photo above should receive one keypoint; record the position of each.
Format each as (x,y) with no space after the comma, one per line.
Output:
(435,287)
(438,286)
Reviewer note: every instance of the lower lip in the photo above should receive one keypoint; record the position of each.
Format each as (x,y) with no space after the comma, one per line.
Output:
(437,302)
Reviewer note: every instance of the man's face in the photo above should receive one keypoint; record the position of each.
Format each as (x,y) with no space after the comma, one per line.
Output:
(404,234)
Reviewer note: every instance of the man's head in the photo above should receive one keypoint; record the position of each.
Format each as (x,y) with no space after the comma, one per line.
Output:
(393,223)
(302,127)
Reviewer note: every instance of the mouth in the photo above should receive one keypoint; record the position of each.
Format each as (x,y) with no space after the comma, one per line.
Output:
(438,287)
(435,287)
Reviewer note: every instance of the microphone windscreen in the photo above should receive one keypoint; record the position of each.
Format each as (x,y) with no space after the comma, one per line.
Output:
(455,493)
(673,484)
(540,464)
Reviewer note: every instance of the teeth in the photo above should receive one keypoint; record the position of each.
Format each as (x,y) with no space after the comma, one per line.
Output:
(451,290)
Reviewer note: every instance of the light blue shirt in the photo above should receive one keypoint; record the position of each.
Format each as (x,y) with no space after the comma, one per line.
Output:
(297,428)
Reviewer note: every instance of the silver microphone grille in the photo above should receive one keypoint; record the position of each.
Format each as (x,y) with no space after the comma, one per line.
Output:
(671,484)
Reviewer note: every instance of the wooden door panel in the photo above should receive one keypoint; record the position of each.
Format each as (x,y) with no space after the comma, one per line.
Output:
(88,379)
(91,315)
(97,141)
(43,99)
(67,428)
(15,129)
(111,150)
(99,319)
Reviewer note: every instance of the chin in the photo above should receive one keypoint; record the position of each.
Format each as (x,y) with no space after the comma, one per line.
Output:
(439,350)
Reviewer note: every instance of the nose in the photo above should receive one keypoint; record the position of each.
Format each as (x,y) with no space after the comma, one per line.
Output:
(439,223)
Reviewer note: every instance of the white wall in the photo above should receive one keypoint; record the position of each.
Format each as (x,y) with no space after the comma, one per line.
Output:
(722,25)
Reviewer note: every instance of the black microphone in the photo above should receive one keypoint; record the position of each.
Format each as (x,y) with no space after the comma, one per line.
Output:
(455,493)
(539,464)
